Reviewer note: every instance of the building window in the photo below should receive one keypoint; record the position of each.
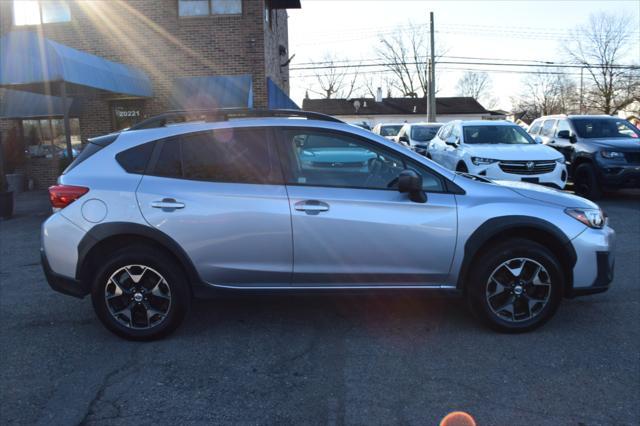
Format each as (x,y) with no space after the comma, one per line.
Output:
(209,7)
(45,137)
(36,12)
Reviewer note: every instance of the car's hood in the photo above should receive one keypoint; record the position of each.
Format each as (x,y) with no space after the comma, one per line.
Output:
(513,152)
(547,195)
(624,143)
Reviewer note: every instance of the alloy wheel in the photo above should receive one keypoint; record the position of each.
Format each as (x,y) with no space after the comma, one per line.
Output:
(138,297)
(518,289)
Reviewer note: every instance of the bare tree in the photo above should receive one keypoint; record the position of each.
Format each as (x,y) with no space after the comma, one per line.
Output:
(334,82)
(478,85)
(474,84)
(600,47)
(546,92)
(405,54)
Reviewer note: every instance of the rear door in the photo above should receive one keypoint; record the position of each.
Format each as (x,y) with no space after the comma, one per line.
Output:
(220,195)
(350,224)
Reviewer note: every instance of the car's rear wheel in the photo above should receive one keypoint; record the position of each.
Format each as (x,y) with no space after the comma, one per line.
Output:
(515,286)
(140,293)
(585,182)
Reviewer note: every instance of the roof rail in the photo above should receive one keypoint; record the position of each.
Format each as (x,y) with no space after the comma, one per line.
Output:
(224,114)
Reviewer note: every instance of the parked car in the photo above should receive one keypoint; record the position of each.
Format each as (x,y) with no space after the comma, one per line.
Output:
(148,218)
(603,151)
(418,135)
(388,130)
(499,150)
(362,125)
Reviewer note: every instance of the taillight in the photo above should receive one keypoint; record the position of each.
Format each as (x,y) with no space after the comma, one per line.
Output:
(63,195)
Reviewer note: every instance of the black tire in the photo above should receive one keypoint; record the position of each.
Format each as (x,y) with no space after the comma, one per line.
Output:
(461,167)
(174,285)
(479,287)
(585,182)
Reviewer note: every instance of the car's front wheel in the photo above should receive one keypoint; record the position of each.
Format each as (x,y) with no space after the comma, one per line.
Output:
(585,182)
(140,293)
(515,286)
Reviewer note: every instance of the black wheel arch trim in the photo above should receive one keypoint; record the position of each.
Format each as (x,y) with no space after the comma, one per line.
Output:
(103,231)
(497,225)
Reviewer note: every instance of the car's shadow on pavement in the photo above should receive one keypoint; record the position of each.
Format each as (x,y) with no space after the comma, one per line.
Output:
(406,310)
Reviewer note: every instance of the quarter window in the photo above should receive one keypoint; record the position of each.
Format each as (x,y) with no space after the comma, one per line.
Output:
(317,158)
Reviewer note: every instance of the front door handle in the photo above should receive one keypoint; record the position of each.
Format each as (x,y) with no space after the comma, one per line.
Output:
(311,206)
(167,204)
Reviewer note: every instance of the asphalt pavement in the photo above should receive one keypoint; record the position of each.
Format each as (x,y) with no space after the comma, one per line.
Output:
(327,360)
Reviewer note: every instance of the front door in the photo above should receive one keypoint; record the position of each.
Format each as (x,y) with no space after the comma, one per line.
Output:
(351,226)
(220,195)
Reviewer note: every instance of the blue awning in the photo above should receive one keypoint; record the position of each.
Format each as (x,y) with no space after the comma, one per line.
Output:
(210,92)
(31,62)
(18,104)
(277,99)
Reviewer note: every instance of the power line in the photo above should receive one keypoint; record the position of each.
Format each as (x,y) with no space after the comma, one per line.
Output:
(544,65)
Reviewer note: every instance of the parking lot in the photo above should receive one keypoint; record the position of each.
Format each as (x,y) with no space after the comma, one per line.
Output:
(384,359)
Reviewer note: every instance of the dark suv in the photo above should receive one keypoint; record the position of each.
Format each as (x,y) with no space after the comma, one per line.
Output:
(603,151)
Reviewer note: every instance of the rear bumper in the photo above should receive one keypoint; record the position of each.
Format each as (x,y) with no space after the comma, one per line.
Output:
(61,283)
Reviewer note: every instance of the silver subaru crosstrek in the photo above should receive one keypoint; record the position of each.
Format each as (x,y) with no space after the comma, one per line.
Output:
(151,217)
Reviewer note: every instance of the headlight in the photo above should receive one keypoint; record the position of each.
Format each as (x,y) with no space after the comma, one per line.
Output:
(560,160)
(593,218)
(479,161)
(612,155)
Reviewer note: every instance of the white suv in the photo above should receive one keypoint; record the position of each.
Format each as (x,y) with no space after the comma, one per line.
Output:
(499,150)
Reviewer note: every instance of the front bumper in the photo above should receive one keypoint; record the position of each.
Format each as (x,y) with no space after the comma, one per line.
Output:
(595,263)
(619,176)
(556,178)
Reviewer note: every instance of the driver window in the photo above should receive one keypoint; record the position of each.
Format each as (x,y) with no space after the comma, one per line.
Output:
(318,158)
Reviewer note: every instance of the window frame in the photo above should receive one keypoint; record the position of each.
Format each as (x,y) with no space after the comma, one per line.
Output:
(41,22)
(210,14)
(277,177)
(285,160)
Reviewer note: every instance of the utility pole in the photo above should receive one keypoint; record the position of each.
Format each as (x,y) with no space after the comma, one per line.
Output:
(582,90)
(432,73)
(427,95)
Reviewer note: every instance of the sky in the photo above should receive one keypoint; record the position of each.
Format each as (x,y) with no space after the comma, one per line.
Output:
(513,30)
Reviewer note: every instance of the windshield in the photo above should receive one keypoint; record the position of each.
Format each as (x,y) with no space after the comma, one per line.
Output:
(424,133)
(496,135)
(604,127)
(390,130)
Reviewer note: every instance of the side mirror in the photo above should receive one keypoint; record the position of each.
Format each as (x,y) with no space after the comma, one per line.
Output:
(404,138)
(538,139)
(567,134)
(410,182)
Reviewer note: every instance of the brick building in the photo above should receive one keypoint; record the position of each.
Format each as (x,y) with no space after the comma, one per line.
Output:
(192,52)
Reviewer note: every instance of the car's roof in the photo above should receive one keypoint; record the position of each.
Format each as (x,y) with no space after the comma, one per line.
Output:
(390,124)
(556,116)
(487,123)
(424,123)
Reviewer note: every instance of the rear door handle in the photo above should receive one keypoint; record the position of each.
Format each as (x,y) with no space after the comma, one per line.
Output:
(167,204)
(311,206)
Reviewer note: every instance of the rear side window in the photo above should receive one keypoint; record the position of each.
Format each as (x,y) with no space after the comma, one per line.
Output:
(223,155)
(535,127)
(134,160)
